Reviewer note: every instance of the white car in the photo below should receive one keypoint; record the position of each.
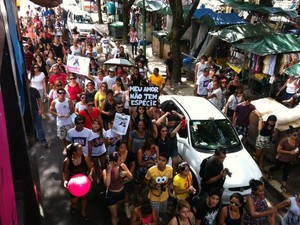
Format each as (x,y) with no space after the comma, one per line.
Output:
(207,128)
(82,21)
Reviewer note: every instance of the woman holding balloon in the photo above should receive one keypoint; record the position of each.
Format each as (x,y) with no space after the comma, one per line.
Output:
(76,168)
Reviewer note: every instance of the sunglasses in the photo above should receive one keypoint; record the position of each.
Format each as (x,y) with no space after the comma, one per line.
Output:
(72,78)
(142,108)
(36,67)
(83,97)
(59,85)
(79,123)
(235,204)
(295,135)
(120,107)
(61,93)
(91,105)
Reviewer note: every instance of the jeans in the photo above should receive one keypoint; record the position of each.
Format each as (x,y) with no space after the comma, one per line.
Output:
(37,121)
(285,171)
(134,48)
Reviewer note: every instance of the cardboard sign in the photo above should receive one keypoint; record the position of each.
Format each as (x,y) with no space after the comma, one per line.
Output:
(121,123)
(143,96)
(78,64)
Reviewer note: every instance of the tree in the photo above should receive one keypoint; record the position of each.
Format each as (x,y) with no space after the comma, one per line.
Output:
(179,27)
(100,20)
(126,13)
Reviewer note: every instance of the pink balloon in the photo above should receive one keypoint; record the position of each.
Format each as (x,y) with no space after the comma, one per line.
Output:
(79,185)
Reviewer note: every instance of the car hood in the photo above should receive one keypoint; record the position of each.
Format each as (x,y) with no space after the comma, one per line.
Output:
(242,167)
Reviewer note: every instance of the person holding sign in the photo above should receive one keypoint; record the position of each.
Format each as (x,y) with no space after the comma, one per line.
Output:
(157,80)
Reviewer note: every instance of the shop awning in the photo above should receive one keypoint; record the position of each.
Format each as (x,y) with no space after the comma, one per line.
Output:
(151,5)
(271,44)
(246,6)
(238,32)
(294,70)
(219,19)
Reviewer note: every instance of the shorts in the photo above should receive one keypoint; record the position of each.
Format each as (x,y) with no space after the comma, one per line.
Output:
(159,207)
(262,142)
(63,130)
(242,130)
(173,153)
(113,197)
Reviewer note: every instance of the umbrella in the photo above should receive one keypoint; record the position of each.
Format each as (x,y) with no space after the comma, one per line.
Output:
(119,62)
(294,70)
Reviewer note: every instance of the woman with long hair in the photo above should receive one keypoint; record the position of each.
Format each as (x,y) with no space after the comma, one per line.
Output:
(74,89)
(233,214)
(233,85)
(266,132)
(101,95)
(108,107)
(146,158)
(38,80)
(118,89)
(257,211)
(114,176)
(184,214)
(93,67)
(141,114)
(81,105)
(287,149)
(129,161)
(41,63)
(50,61)
(98,149)
(76,163)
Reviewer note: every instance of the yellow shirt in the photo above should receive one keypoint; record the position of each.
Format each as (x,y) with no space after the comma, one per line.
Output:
(99,98)
(183,184)
(157,80)
(157,177)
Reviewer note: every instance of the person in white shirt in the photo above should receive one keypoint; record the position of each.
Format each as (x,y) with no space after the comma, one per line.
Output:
(111,78)
(105,44)
(62,108)
(81,135)
(201,84)
(216,95)
(116,50)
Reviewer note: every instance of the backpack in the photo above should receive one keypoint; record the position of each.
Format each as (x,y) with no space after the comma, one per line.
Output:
(202,167)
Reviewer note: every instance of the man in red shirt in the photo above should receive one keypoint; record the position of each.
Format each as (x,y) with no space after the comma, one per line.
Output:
(57,75)
(90,113)
(28,57)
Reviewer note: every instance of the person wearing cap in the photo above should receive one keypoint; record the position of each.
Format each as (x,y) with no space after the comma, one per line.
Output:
(62,108)
(28,56)
(111,78)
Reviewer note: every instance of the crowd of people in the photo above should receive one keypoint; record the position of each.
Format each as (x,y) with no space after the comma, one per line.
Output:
(85,109)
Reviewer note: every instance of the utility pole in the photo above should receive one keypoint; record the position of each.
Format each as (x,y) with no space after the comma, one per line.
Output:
(144,27)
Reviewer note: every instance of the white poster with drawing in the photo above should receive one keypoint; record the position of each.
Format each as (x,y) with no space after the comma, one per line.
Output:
(78,64)
(121,123)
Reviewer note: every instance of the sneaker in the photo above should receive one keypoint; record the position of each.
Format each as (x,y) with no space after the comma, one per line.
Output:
(44,116)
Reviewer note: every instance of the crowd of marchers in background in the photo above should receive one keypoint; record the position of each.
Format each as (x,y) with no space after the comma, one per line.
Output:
(128,165)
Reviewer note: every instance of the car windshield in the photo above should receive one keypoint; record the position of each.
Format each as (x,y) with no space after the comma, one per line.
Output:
(83,19)
(211,134)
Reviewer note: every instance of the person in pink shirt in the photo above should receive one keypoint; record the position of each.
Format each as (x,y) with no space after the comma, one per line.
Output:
(133,38)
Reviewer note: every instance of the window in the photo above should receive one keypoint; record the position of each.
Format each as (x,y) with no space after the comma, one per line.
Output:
(211,134)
